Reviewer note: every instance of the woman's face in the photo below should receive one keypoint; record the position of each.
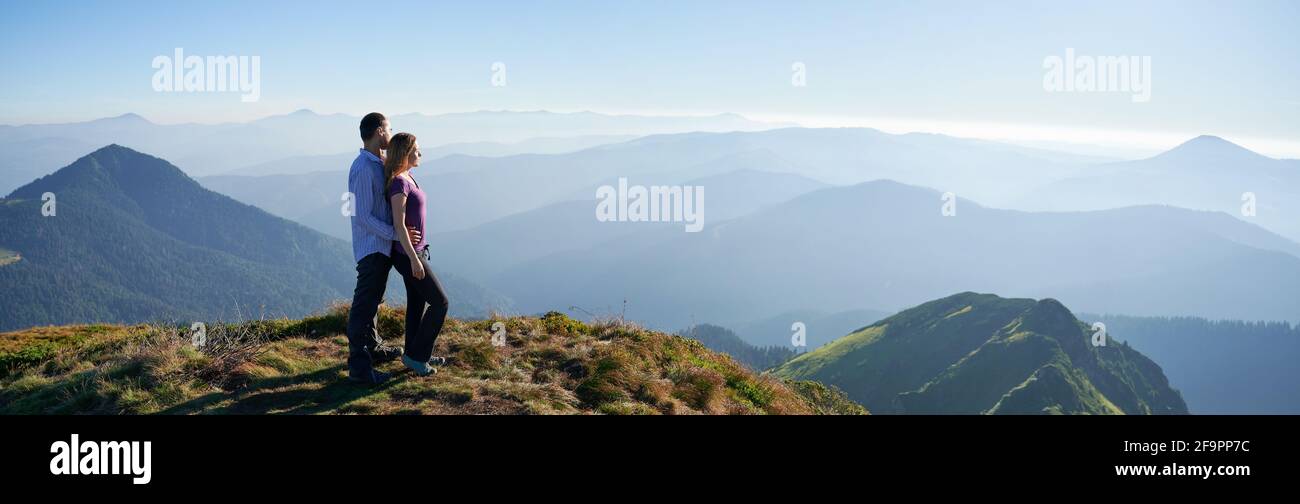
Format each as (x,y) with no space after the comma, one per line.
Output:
(415,155)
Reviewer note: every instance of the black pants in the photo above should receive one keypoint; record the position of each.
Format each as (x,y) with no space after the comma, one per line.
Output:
(372,279)
(426,309)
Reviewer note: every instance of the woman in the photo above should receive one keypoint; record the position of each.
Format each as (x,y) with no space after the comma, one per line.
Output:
(426,303)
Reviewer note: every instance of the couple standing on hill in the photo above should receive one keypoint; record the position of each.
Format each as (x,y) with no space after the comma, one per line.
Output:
(388,232)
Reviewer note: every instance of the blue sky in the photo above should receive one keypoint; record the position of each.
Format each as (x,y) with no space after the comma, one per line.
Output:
(1226,68)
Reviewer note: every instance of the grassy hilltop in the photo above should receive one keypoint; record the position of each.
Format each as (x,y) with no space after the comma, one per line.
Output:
(547,365)
(979,353)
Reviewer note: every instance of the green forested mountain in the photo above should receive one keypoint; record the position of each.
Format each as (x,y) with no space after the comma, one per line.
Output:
(979,353)
(133,238)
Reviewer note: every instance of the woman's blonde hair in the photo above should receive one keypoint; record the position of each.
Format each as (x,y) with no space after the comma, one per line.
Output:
(398,158)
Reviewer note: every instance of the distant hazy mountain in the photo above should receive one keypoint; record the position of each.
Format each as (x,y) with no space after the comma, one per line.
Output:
(296,165)
(469,191)
(209,149)
(514,127)
(979,353)
(1063,154)
(885,244)
(493,188)
(1205,173)
(982,170)
(329,220)
(540,145)
(1221,367)
(198,147)
(134,239)
(289,196)
(432,151)
(465,192)
(490,248)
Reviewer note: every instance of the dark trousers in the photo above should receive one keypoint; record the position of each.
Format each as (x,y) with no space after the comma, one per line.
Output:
(363,335)
(426,309)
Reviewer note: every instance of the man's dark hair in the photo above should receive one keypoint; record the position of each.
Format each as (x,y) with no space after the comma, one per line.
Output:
(370,123)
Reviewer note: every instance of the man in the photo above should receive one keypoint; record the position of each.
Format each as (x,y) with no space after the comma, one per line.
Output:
(372,242)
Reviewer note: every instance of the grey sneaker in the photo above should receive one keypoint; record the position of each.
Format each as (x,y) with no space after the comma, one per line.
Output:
(420,368)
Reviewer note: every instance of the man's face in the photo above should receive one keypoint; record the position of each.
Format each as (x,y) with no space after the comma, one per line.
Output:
(384,132)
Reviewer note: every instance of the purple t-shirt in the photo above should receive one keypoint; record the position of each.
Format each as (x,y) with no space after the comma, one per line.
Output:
(414,209)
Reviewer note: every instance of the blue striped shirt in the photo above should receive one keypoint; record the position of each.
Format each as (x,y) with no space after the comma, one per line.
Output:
(372,220)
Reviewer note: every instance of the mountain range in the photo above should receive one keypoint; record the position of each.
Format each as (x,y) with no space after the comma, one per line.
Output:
(777,240)
(332,162)
(467,191)
(280,142)
(883,244)
(1204,173)
(134,239)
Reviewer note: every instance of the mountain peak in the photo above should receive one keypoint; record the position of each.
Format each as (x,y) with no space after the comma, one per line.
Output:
(1049,315)
(117,155)
(127,118)
(1209,138)
(1209,142)
(113,149)
(109,166)
(1211,148)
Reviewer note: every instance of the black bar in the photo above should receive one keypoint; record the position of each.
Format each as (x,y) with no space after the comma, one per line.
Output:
(282,452)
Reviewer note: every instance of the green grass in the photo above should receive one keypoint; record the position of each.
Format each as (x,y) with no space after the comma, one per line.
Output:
(832,353)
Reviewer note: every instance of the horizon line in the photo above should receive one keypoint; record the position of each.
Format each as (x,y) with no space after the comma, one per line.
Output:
(1083,141)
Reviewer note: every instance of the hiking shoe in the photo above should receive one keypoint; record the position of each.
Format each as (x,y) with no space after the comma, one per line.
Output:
(375,377)
(437,361)
(385,353)
(420,368)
